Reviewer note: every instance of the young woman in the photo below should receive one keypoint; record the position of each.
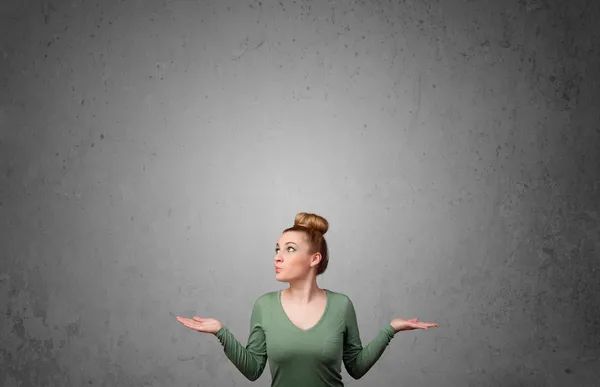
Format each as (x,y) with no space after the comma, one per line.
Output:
(304,331)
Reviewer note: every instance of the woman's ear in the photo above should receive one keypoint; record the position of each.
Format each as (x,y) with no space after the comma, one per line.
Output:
(316,259)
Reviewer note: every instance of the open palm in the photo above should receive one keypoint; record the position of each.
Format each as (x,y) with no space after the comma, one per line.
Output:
(206,325)
(400,324)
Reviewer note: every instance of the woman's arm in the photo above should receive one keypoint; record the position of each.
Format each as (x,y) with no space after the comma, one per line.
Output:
(359,360)
(251,359)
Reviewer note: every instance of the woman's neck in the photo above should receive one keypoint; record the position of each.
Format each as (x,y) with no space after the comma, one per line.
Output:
(303,292)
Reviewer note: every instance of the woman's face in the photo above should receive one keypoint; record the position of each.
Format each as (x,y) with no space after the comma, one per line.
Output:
(292,257)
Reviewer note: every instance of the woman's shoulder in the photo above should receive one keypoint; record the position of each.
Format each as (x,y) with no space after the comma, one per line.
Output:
(338,296)
(267,297)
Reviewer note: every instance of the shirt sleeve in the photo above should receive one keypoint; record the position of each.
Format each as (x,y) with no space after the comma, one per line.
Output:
(359,360)
(251,359)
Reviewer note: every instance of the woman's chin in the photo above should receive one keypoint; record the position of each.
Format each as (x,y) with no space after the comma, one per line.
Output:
(279,277)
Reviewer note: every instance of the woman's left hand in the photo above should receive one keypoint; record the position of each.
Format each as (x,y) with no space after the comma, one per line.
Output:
(406,325)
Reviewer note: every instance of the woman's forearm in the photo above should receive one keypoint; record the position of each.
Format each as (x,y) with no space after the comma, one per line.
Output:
(251,359)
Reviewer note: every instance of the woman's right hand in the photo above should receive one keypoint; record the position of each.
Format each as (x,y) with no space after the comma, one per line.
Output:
(206,325)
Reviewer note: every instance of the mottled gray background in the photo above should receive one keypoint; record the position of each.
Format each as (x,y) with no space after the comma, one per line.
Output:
(152,152)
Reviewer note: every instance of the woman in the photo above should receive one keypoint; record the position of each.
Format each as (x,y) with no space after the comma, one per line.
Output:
(304,331)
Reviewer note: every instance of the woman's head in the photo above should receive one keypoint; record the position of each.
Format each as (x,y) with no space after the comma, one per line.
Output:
(302,250)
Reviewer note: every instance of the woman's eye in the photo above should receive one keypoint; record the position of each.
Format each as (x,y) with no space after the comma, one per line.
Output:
(292,249)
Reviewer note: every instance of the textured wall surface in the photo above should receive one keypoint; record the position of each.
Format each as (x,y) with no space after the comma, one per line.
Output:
(151,152)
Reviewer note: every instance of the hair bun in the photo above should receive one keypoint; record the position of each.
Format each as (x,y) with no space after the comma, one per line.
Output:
(312,221)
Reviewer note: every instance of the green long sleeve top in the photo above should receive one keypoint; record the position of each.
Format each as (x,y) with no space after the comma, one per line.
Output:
(301,358)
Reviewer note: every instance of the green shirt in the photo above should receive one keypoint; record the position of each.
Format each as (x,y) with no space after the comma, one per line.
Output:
(301,358)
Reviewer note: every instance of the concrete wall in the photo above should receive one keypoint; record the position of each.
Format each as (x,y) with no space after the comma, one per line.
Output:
(152,152)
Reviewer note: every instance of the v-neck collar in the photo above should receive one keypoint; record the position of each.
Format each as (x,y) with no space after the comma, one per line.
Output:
(327,301)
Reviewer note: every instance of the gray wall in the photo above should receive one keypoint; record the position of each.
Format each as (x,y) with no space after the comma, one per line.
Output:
(152,152)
